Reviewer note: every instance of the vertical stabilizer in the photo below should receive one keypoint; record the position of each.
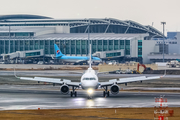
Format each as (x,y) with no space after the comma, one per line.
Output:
(90,55)
(89,47)
(57,51)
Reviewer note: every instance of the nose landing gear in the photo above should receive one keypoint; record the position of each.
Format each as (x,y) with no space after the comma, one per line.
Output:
(89,97)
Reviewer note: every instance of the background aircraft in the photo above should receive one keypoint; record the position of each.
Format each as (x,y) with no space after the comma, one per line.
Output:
(74,59)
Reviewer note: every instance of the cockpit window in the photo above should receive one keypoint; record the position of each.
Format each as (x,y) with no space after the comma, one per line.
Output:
(86,79)
(92,79)
(89,78)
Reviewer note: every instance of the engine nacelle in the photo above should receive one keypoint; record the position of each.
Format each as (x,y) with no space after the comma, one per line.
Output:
(64,89)
(114,89)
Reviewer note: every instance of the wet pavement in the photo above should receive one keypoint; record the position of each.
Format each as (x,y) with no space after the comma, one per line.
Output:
(16,97)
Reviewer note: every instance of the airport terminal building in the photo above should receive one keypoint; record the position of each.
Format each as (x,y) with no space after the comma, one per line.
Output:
(112,39)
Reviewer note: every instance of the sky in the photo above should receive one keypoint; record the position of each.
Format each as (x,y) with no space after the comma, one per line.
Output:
(145,12)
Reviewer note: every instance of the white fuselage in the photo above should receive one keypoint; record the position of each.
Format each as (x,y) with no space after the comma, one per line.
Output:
(89,80)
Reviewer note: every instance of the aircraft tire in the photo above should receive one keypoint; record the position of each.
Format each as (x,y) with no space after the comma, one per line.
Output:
(108,93)
(71,93)
(75,93)
(104,93)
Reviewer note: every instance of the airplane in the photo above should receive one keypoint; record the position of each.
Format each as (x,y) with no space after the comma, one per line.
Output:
(74,59)
(89,82)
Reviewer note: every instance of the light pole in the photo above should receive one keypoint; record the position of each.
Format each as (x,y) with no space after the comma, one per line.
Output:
(9,39)
(163,23)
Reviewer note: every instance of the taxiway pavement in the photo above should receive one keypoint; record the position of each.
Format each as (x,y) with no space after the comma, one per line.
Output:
(18,94)
(16,97)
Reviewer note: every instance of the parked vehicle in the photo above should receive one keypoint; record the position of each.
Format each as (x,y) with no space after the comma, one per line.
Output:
(40,63)
(173,63)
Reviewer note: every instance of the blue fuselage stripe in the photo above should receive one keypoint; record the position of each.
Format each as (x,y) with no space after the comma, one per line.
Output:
(77,58)
(74,58)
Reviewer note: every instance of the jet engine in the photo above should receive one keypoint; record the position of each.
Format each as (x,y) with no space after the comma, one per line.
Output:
(114,89)
(64,89)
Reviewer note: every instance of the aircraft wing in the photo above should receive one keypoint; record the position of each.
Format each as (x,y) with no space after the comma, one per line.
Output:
(103,72)
(42,79)
(135,79)
(75,72)
(128,80)
(51,80)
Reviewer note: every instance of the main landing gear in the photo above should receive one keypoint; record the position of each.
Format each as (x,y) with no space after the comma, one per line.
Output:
(73,92)
(106,92)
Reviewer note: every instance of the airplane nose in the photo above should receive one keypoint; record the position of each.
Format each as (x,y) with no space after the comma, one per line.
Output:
(89,85)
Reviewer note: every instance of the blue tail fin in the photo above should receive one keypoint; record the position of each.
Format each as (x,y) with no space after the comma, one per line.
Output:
(57,51)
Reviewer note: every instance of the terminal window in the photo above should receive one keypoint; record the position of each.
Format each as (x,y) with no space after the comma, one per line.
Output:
(72,49)
(99,42)
(121,44)
(104,42)
(21,34)
(78,49)
(139,48)
(94,42)
(4,34)
(127,47)
(83,49)
(99,47)
(115,42)
(83,42)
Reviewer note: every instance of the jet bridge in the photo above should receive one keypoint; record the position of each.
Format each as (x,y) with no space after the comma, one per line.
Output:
(20,56)
(109,54)
(24,54)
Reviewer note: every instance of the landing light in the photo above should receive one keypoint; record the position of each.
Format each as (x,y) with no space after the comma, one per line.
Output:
(90,91)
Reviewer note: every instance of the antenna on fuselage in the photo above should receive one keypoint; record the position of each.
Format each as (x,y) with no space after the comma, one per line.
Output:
(89,45)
